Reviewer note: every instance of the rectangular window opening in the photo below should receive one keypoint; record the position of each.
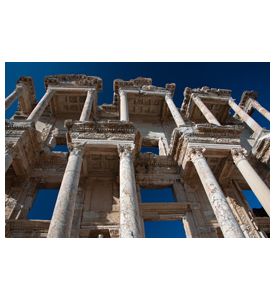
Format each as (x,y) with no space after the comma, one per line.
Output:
(43,204)
(254,203)
(60,148)
(164,229)
(165,194)
(152,149)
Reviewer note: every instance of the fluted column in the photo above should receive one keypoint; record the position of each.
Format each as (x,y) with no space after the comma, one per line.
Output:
(124,112)
(130,226)
(205,111)
(255,182)
(12,97)
(173,109)
(222,211)
(244,116)
(264,112)
(41,105)
(87,108)
(61,222)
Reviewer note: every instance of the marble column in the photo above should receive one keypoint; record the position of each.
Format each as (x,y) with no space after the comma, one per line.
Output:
(255,182)
(264,112)
(227,221)
(87,108)
(124,112)
(244,116)
(205,111)
(174,111)
(12,97)
(130,221)
(41,105)
(61,222)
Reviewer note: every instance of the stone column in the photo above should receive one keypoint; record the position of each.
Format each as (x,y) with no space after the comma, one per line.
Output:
(13,96)
(205,111)
(129,209)
(264,112)
(255,182)
(229,225)
(87,108)
(173,109)
(61,222)
(124,113)
(244,116)
(40,106)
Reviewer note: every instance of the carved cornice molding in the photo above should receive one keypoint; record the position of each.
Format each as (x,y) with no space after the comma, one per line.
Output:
(18,125)
(74,80)
(17,128)
(141,85)
(136,83)
(112,130)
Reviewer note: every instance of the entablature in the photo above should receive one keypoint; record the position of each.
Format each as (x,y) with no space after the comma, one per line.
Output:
(73,80)
(212,99)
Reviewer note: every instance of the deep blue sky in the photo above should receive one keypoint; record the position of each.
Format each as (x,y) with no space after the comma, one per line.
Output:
(235,76)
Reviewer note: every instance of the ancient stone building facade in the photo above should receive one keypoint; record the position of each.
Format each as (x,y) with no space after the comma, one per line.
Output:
(206,155)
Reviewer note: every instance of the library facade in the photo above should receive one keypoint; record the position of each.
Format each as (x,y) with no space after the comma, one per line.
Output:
(207,152)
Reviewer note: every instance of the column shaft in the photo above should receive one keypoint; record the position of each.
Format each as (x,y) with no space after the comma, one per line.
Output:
(87,108)
(255,182)
(129,209)
(13,96)
(205,111)
(61,223)
(124,113)
(174,111)
(260,109)
(222,211)
(40,106)
(244,116)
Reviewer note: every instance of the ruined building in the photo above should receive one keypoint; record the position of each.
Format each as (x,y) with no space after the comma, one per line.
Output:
(207,155)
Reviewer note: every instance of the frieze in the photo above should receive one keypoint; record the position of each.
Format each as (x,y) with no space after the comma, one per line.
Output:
(74,80)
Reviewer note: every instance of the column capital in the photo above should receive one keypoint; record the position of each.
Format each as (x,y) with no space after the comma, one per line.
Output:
(125,150)
(168,94)
(238,154)
(122,92)
(195,153)
(77,149)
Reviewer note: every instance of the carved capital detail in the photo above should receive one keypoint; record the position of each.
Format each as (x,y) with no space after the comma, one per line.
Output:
(125,150)
(77,149)
(238,154)
(195,153)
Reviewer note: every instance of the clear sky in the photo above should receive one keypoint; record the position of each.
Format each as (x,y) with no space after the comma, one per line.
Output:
(235,76)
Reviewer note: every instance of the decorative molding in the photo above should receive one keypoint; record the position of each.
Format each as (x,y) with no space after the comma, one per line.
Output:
(74,80)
